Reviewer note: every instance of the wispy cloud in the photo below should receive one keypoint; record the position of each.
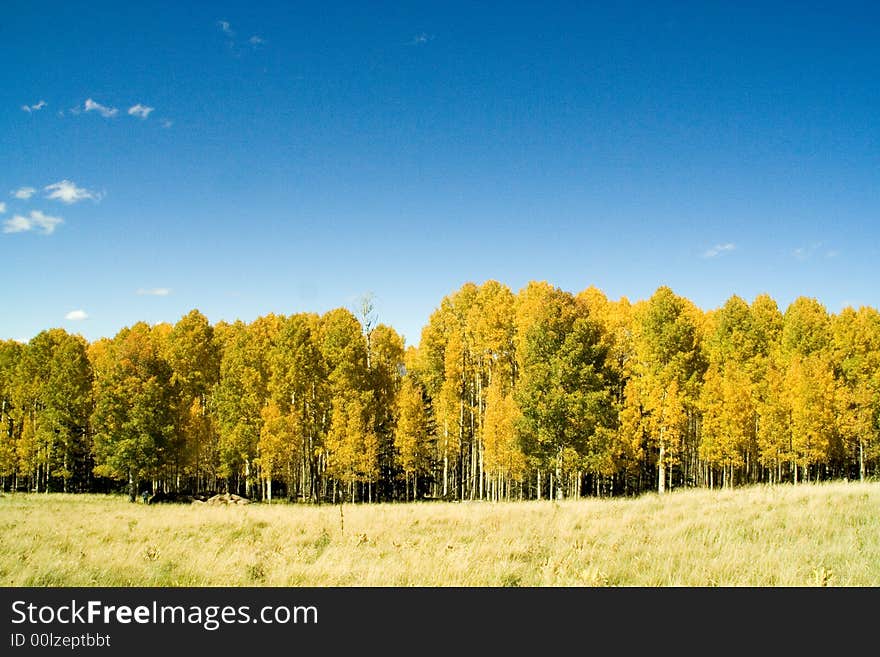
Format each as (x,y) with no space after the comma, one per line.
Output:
(2,207)
(34,108)
(23,193)
(154,292)
(36,220)
(140,111)
(815,249)
(77,315)
(238,46)
(167,123)
(719,249)
(103,110)
(806,252)
(66,191)
(420,39)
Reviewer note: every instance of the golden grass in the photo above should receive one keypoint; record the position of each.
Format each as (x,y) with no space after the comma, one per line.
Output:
(826,534)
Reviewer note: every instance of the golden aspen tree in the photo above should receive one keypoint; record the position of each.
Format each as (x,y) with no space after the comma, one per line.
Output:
(805,328)
(352,449)
(31,377)
(298,387)
(729,396)
(68,402)
(632,432)
(133,416)
(561,389)
(241,394)
(774,440)
(772,429)
(504,460)
(727,424)
(611,452)
(194,356)
(856,353)
(810,382)
(279,438)
(10,354)
(805,349)
(384,381)
(411,436)
(429,361)
(667,370)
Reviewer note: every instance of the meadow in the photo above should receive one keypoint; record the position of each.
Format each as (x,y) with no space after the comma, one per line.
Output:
(804,535)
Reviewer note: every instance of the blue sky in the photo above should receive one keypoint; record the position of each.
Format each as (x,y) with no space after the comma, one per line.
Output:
(284,158)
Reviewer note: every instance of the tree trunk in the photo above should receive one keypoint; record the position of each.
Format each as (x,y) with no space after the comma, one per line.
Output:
(247,478)
(861,459)
(559,485)
(446,463)
(661,467)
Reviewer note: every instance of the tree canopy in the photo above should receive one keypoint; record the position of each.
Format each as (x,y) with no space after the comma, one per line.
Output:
(540,393)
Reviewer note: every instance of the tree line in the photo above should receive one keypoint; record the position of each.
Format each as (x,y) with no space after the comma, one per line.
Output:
(538,394)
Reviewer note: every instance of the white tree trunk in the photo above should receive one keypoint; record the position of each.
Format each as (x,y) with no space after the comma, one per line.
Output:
(661,467)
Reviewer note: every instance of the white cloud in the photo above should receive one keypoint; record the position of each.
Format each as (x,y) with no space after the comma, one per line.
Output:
(167,123)
(66,191)
(24,193)
(17,224)
(719,249)
(77,315)
(225,27)
(104,111)
(421,39)
(256,41)
(45,222)
(2,207)
(36,220)
(155,292)
(34,108)
(141,111)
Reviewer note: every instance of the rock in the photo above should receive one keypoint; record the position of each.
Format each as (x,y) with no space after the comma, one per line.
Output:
(228,498)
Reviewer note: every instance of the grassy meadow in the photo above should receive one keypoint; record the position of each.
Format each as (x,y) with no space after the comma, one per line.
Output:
(806,535)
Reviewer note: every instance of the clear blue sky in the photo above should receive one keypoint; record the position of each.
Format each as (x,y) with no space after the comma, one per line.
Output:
(299,156)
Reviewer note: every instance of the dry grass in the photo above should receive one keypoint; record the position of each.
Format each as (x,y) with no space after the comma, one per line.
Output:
(827,534)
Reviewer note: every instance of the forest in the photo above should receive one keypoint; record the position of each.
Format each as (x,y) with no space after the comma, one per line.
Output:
(540,394)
